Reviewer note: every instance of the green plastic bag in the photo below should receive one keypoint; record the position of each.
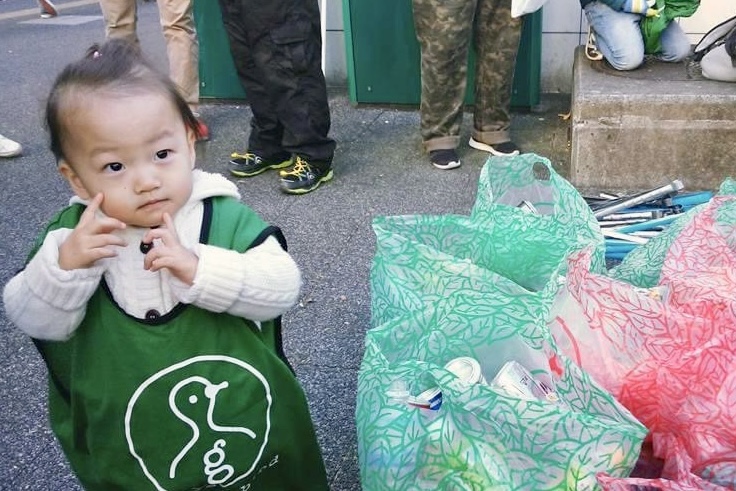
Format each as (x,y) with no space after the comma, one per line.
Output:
(562,214)
(507,259)
(422,261)
(481,438)
(481,286)
(652,27)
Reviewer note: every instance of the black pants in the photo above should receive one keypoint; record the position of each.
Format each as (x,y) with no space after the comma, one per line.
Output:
(277,50)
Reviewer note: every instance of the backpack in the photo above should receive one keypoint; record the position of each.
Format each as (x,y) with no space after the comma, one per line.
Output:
(716,52)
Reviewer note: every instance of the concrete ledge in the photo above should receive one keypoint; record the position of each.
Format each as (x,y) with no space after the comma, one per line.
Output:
(637,130)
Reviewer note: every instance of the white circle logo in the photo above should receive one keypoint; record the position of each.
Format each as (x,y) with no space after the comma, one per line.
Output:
(203,420)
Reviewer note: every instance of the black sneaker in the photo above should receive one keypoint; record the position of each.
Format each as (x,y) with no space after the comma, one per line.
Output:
(250,164)
(304,177)
(505,149)
(444,159)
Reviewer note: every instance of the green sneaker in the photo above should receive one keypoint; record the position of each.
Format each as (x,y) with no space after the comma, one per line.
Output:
(250,164)
(303,177)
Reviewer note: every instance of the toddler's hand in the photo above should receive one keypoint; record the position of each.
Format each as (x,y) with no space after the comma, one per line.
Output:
(92,239)
(169,253)
(642,7)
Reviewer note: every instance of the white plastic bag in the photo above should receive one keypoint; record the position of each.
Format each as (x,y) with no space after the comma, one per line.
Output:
(521,7)
(715,51)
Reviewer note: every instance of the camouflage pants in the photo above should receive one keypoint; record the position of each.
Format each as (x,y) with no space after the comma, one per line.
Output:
(444,29)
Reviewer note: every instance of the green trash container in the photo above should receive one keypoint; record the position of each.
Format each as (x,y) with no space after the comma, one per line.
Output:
(217,76)
(383,56)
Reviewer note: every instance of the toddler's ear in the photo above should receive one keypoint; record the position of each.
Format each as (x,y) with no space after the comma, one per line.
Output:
(191,142)
(72,178)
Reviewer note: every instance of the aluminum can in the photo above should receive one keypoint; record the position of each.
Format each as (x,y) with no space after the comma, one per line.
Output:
(515,380)
(467,370)
(429,399)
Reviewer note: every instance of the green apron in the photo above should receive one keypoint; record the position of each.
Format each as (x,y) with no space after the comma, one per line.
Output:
(188,400)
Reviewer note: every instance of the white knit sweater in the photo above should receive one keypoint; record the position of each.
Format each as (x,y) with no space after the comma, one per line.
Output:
(47,302)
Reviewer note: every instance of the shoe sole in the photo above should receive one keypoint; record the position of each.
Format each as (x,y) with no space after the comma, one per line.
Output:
(327,177)
(450,165)
(487,148)
(591,50)
(240,173)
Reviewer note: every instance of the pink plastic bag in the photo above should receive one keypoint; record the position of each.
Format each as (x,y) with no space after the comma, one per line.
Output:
(669,353)
(700,267)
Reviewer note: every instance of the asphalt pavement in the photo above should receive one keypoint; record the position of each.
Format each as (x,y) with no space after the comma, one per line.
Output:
(379,170)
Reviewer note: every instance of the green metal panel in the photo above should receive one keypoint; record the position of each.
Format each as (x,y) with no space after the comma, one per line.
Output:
(382,55)
(217,76)
(383,59)
(526,88)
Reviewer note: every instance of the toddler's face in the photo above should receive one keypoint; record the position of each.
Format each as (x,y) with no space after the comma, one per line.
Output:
(136,150)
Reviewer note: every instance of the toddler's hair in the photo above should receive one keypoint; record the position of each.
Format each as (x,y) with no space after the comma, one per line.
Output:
(115,67)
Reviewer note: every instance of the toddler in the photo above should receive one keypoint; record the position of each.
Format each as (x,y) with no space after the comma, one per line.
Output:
(155,300)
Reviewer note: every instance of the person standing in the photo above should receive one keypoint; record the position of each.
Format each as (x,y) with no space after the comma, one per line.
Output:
(276,47)
(444,30)
(182,46)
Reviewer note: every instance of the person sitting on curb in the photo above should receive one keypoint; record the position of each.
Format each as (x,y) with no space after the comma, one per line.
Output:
(615,33)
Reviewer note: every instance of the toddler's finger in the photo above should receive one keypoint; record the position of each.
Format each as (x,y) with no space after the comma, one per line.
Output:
(168,222)
(166,235)
(91,209)
(107,224)
(156,259)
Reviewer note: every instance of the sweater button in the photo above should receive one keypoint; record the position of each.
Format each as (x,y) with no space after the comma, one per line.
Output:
(146,246)
(152,315)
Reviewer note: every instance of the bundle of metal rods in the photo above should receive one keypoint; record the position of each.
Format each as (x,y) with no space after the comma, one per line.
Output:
(628,221)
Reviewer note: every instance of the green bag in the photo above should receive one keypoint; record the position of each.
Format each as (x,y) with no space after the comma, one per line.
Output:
(190,400)
(445,287)
(420,261)
(481,438)
(652,27)
(508,260)
(508,185)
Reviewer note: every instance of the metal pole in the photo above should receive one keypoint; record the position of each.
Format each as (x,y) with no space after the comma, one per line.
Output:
(670,188)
